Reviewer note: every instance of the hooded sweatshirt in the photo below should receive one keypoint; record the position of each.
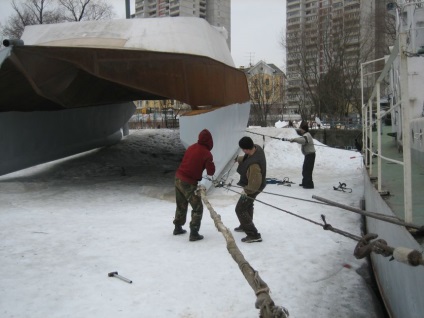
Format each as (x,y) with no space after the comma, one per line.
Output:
(197,158)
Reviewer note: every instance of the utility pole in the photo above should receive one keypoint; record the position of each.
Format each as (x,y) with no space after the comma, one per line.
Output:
(251,57)
(127,9)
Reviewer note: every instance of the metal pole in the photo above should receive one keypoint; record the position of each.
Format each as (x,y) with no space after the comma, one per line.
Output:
(370,136)
(378,139)
(406,135)
(127,9)
(378,216)
(363,114)
(365,135)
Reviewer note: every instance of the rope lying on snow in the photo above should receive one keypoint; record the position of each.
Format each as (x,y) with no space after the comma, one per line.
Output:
(263,300)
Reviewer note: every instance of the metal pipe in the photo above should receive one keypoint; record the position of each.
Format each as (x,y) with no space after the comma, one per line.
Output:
(13,42)
(374,215)
(406,135)
(127,9)
(378,137)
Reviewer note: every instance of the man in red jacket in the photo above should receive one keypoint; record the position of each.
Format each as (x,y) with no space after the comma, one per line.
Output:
(197,158)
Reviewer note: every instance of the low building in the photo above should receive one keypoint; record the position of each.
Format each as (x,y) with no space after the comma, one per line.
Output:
(267,93)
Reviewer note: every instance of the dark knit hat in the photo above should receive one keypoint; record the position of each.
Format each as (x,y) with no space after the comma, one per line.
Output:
(246,143)
(304,125)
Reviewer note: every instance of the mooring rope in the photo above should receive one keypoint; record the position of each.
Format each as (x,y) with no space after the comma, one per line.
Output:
(323,201)
(286,196)
(364,246)
(263,300)
(251,132)
(277,208)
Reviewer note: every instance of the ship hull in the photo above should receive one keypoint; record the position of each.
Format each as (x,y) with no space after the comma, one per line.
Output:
(400,285)
(226,124)
(31,138)
(70,87)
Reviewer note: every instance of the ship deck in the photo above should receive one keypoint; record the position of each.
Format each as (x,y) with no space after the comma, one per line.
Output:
(392,179)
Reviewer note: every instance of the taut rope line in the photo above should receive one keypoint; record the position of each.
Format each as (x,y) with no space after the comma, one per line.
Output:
(273,206)
(287,196)
(364,246)
(251,132)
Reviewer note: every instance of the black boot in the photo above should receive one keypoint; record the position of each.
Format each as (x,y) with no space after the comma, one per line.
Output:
(195,236)
(252,238)
(179,230)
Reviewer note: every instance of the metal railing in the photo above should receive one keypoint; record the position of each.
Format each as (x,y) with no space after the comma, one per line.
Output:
(397,59)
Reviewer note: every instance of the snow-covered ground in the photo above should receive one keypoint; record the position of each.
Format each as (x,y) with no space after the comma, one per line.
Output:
(65,225)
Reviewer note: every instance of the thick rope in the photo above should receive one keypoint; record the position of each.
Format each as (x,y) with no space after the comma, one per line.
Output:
(263,300)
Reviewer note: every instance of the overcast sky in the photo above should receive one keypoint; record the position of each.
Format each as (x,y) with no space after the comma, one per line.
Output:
(257,28)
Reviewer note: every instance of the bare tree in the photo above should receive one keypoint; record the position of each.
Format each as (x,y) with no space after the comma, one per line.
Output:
(32,12)
(80,10)
(29,13)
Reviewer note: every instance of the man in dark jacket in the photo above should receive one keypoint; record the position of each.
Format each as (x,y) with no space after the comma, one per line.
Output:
(252,170)
(197,158)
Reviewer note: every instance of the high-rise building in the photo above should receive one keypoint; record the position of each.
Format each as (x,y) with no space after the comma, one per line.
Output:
(321,32)
(216,12)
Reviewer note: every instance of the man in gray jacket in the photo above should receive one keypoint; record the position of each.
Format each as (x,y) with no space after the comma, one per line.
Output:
(308,150)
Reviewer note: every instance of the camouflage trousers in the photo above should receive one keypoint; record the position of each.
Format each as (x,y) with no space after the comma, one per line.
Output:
(244,212)
(185,194)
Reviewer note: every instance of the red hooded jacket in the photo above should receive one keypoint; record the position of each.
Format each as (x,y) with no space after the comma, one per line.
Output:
(197,158)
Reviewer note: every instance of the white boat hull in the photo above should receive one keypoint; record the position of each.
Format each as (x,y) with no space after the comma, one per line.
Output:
(69,87)
(227,125)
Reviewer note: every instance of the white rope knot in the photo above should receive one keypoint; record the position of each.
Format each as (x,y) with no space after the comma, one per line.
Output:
(407,256)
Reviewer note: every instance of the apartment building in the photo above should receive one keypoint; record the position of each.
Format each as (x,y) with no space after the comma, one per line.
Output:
(216,12)
(319,33)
